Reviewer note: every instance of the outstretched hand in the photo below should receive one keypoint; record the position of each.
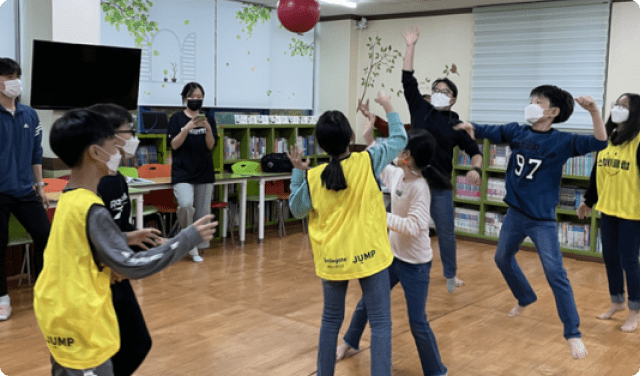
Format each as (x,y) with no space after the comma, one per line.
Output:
(467,127)
(205,227)
(145,238)
(364,108)
(411,35)
(295,156)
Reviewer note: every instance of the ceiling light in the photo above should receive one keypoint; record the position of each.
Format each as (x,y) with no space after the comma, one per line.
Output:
(344,3)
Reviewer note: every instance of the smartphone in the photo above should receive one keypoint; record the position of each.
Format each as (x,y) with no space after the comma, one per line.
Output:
(201,117)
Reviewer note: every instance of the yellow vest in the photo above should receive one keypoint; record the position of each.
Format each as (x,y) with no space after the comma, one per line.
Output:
(348,229)
(617,180)
(72,298)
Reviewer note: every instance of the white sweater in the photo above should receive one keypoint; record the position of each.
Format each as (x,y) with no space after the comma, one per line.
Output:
(409,217)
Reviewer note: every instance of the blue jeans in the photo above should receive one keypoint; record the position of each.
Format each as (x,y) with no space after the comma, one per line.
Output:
(620,247)
(415,283)
(442,214)
(544,234)
(375,292)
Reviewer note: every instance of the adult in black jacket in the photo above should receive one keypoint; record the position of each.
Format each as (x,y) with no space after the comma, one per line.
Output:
(434,115)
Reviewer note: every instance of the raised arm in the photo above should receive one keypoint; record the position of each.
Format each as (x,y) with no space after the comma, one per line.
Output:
(411,36)
(383,153)
(589,104)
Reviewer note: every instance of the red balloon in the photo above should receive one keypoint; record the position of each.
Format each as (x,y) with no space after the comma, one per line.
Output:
(298,16)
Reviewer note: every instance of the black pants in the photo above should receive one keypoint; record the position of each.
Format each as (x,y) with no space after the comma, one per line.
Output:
(135,341)
(31,214)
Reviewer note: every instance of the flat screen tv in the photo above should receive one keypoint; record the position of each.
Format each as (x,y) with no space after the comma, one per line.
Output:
(66,75)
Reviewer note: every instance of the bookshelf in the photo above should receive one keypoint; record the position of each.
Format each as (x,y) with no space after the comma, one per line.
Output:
(577,236)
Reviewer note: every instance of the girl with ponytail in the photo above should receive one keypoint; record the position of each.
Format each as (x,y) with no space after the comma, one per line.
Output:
(348,229)
(408,225)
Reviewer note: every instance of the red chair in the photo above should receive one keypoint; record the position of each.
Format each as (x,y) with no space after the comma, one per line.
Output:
(162,199)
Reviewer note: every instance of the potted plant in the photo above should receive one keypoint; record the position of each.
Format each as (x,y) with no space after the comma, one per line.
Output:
(174,67)
(166,72)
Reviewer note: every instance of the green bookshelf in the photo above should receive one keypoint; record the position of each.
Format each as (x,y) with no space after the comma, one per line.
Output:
(485,205)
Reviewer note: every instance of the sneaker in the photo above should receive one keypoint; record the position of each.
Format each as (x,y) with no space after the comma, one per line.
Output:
(197,258)
(5,312)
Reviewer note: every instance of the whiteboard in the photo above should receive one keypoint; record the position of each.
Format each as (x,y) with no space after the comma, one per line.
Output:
(257,70)
(8,41)
(185,40)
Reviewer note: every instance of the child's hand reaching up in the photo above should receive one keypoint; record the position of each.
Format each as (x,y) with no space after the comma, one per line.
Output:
(295,156)
(587,103)
(385,101)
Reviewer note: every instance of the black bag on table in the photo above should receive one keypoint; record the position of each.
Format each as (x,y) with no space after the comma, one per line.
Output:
(276,162)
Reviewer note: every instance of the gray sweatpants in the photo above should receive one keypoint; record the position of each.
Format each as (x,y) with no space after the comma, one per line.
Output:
(104,369)
(194,202)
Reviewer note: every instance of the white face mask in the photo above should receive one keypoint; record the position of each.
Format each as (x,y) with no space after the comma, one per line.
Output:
(533,113)
(12,88)
(440,101)
(114,161)
(619,114)
(130,146)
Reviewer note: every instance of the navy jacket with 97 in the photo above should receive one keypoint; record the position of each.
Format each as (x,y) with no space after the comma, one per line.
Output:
(535,166)
(20,148)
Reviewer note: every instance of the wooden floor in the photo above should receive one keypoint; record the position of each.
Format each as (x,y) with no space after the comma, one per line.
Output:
(255,311)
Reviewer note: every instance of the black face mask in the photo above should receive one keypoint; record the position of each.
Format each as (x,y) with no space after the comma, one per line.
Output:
(194,104)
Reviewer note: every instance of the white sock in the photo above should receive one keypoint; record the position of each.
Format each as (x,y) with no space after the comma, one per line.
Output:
(578,350)
(5,299)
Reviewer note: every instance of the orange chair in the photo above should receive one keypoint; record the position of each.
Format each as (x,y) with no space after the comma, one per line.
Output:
(54,185)
(154,170)
(162,199)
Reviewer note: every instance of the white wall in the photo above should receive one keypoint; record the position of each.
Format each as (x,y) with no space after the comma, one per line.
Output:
(76,21)
(623,74)
(336,41)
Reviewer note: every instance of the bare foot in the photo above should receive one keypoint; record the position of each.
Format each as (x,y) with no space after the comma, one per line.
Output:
(344,351)
(578,351)
(632,321)
(515,311)
(615,307)
(454,282)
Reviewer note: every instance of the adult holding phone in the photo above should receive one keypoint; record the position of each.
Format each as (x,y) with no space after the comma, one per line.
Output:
(192,136)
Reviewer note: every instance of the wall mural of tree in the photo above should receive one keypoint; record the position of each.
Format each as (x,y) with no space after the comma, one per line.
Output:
(134,14)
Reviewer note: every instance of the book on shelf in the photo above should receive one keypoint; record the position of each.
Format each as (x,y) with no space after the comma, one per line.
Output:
(493,223)
(571,197)
(496,189)
(580,165)
(231,148)
(499,155)
(466,220)
(280,145)
(257,147)
(465,190)
(464,159)
(146,154)
(574,235)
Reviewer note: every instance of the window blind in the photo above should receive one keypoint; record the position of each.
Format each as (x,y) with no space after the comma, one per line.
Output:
(519,47)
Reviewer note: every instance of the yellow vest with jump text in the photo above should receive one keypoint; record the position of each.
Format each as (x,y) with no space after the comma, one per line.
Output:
(618,180)
(348,229)
(72,297)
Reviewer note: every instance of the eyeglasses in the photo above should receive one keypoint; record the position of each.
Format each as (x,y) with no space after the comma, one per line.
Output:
(132,131)
(446,92)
